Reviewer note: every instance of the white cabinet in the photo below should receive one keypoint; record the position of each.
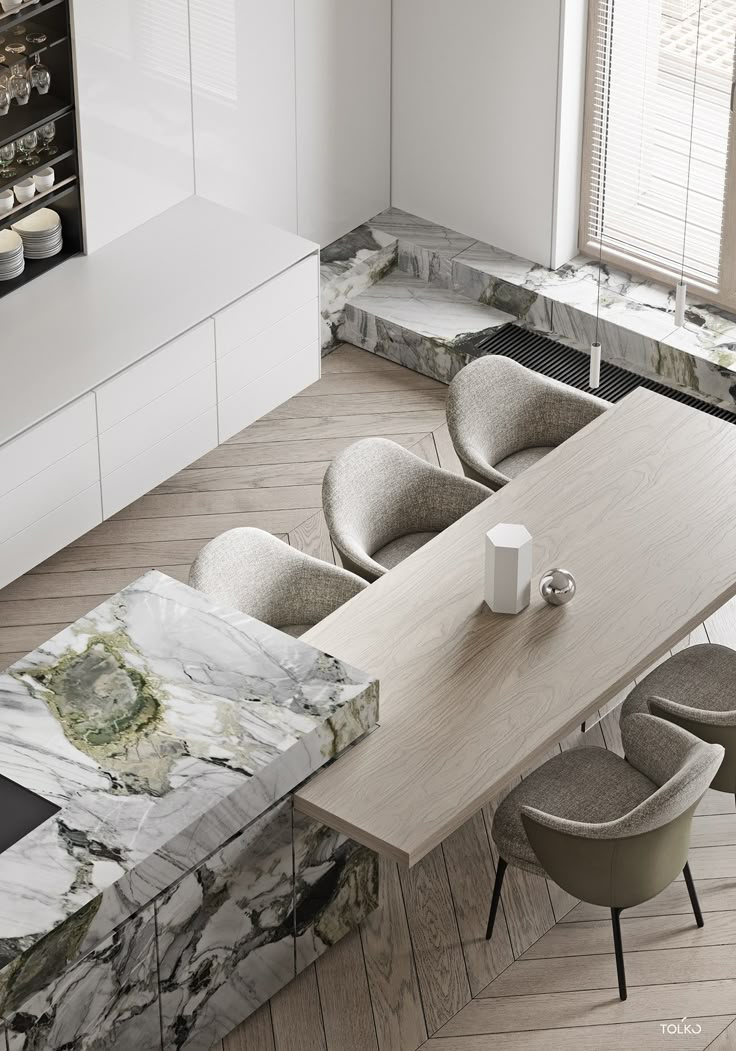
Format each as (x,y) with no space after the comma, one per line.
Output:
(157,416)
(267,347)
(266,305)
(61,477)
(264,394)
(158,463)
(243,97)
(135,113)
(50,486)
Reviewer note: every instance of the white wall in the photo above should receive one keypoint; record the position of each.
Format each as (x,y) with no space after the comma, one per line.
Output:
(343,105)
(476,120)
(134,111)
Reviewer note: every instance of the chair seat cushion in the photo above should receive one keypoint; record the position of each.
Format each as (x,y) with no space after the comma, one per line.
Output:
(397,550)
(513,465)
(702,677)
(295,630)
(582,784)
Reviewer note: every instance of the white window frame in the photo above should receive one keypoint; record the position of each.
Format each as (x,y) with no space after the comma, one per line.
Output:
(725,294)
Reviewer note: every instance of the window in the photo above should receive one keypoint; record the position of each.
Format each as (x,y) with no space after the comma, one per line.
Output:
(659,187)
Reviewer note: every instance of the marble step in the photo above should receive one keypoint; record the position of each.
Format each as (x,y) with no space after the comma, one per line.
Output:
(423,326)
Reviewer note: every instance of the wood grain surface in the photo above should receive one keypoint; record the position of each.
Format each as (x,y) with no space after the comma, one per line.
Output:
(640,506)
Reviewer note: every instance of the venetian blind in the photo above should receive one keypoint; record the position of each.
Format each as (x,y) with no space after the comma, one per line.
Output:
(659,121)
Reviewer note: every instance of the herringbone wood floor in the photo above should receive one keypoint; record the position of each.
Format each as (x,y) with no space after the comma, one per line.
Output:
(419,972)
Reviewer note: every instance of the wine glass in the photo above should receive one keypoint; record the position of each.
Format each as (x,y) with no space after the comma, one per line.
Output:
(4,99)
(20,88)
(36,36)
(40,77)
(47,134)
(27,145)
(7,156)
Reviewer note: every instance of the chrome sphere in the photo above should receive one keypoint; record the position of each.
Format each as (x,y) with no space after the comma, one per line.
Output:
(557,587)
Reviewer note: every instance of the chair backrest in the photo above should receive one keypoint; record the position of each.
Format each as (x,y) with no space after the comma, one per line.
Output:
(496,407)
(261,575)
(629,860)
(714,727)
(376,491)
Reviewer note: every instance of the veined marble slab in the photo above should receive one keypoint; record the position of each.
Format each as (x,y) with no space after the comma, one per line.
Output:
(363,257)
(107,1000)
(161,724)
(426,327)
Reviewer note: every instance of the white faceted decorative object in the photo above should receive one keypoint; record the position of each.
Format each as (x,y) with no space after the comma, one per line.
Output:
(508,568)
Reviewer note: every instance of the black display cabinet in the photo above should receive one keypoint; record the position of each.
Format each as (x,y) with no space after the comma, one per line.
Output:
(50,19)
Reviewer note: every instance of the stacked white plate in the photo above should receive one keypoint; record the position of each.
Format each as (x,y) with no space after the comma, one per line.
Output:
(12,263)
(40,233)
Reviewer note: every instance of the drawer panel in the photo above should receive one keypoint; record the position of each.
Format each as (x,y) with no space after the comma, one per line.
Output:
(135,435)
(156,374)
(48,490)
(258,356)
(159,462)
(268,304)
(49,534)
(49,441)
(276,387)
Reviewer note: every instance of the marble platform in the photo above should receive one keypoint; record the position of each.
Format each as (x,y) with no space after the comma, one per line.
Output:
(636,325)
(426,327)
(170,733)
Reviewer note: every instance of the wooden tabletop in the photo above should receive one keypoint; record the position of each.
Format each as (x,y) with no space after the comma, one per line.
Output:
(641,507)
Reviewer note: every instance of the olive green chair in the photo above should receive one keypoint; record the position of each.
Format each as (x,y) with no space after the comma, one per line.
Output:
(610,831)
(696,689)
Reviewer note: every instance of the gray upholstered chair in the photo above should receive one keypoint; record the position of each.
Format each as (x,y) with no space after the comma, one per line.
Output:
(261,575)
(504,417)
(611,831)
(696,689)
(382,503)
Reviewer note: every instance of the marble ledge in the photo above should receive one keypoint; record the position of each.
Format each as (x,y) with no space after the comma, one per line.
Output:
(636,315)
(161,725)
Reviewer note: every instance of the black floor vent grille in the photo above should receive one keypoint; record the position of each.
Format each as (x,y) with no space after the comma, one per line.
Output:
(553,359)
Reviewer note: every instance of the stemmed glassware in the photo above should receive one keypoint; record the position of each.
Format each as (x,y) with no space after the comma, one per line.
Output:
(47,134)
(19,85)
(27,145)
(39,77)
(4,98)
(7,156)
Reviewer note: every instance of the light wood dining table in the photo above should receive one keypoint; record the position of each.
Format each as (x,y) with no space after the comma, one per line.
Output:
(641,507)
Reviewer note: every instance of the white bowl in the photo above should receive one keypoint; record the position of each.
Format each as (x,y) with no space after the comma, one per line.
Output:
(10,5)
(25,190)
(44,179)
(7,200)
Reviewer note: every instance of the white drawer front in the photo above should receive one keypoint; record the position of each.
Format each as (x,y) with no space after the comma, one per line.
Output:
(258,356)
(136,434)
(49,534)
(48,490)
(276,387)
(49,441)
(266,305)
(156,374)
(158,463)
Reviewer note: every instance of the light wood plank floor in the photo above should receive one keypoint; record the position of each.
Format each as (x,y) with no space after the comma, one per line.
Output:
(419,973)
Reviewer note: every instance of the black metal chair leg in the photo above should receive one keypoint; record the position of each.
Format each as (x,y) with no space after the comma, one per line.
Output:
(618,946)
(500,871)
(693,895)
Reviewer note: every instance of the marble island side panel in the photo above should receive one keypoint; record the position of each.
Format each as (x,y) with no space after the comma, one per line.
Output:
(161,725)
